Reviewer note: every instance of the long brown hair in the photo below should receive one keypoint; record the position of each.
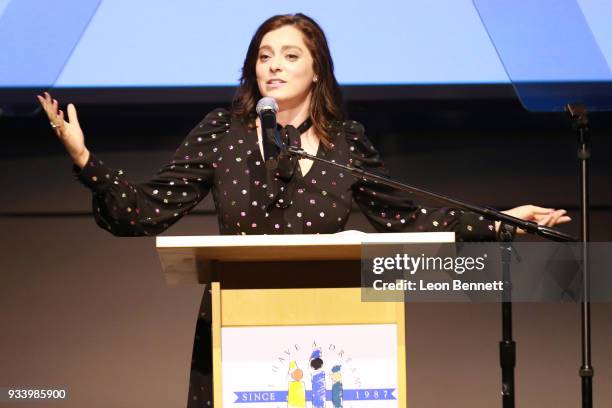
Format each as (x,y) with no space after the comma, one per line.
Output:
(326,101)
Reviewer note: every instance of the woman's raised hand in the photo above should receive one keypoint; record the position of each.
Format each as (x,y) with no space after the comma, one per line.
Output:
(70,132)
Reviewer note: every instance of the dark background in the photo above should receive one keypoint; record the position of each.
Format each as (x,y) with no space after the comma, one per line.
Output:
(91,312)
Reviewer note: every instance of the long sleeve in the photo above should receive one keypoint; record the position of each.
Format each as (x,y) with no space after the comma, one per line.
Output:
(135,209)
(390,210)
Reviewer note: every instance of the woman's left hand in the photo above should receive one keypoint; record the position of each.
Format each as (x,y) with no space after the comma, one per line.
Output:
(548,217)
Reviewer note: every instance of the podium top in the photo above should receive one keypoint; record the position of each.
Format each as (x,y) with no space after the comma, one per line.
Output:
(188,259)
(297,246)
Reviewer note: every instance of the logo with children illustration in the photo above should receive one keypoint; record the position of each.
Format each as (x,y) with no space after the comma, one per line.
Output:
(314,383)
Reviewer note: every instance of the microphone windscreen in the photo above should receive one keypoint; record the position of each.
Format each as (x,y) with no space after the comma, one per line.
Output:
(266,104)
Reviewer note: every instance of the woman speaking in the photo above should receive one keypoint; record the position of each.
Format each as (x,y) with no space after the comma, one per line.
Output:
(288,59)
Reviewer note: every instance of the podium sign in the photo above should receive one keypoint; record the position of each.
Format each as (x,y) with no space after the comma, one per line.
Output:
(280,365)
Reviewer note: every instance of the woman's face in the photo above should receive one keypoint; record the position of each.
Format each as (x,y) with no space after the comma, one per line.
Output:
(284,67)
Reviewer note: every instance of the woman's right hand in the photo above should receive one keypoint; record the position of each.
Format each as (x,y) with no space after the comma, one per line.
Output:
(70,132)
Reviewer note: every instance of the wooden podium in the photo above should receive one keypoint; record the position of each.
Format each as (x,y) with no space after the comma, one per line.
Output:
(285,283)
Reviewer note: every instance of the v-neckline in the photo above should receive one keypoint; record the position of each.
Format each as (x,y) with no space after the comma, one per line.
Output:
(313,161)
(259,145)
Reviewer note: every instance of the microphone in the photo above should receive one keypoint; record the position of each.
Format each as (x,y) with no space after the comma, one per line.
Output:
(266,109)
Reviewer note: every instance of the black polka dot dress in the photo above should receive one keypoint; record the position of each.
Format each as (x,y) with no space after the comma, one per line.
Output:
(222,155)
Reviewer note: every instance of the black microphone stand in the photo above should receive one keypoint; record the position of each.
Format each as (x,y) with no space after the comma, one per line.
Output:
(507,229)
(488,213)
(580,122)
(507,346)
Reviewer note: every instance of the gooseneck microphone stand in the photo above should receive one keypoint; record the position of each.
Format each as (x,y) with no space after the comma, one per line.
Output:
(580,123)
(507,346)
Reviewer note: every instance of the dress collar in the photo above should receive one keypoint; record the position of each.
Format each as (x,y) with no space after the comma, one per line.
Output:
(301,129)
